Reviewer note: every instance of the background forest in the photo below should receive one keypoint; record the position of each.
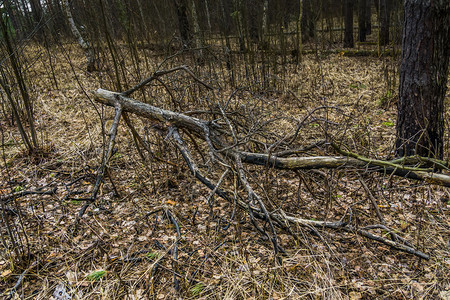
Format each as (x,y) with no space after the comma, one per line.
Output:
(219,149)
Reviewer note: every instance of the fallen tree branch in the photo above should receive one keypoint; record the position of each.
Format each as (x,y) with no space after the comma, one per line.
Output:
(334,162)
(281,219)
(8,197)
(209,132)
(175,248)
(201,127)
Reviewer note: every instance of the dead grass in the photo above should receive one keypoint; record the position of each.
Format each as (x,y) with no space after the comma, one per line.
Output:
(121,236)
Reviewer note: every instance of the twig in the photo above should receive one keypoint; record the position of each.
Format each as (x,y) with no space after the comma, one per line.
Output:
(20,279)
(372,200)
(377,162)
(141,141)
(253,196)
(102,169)
(300,150)
(7,198)
(161,73)
(175,248)
(204,260)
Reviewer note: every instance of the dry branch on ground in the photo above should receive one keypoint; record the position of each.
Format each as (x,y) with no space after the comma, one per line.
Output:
(223,147)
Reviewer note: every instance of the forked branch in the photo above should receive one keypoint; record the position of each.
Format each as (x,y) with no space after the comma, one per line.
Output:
(232,156)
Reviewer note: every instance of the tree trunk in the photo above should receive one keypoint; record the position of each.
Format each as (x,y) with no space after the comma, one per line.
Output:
(348,15)
(12,14)
(195,24)
(265,25)
(20,81)
(308,21)
(253,24)
(183,23)
(423,78)
(299,32)
(362,15)
(38,22)
(368,17)
(88,51)
(237,15)
(385,20)
(208,16)
(197,38)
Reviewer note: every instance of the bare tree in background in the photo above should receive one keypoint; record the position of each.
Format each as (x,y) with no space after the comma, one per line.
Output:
(87,48)
(385,7)
(183,22)
(348,16)
(362,22)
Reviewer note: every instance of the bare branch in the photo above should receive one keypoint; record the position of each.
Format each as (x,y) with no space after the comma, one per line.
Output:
(162,73)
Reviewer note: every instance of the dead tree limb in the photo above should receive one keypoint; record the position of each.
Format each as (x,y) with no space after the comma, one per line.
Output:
(282,219)
(200,127)
(8,197)
(213,133)
(175,249)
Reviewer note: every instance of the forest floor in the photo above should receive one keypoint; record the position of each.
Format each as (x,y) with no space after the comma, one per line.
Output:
(123,245)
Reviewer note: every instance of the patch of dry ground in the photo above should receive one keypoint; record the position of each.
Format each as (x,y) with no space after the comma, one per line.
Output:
(129,237)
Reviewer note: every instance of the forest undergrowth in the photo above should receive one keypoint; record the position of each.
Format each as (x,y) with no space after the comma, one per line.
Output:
(150,206)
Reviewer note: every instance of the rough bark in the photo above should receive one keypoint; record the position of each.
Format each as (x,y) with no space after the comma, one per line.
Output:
(183,23)
(423,78)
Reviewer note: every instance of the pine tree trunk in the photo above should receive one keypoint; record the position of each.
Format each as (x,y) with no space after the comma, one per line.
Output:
(183,23)
(368,17)
(385,20)
(348,16)
(362,15)
(423,78)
